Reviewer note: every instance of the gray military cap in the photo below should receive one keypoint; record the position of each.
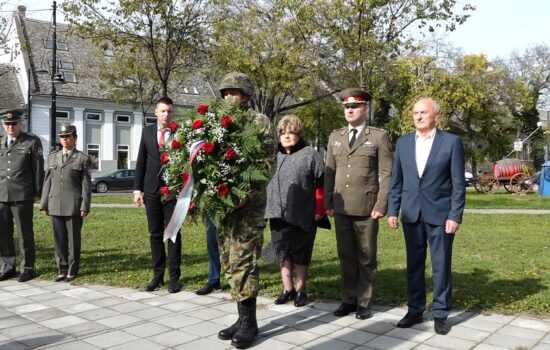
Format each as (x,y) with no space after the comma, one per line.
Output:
(11,115)
(67,129)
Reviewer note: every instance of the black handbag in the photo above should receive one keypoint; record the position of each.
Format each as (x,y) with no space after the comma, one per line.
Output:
(323,223)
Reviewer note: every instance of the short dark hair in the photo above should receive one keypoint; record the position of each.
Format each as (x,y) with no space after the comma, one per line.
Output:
(165,100)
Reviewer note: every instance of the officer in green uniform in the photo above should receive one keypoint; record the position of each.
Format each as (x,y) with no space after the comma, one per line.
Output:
(357,176)
(240,243)
(21,177)
(66,198)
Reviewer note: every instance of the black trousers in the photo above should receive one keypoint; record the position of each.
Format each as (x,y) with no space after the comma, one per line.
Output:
(20,213)
(158,216)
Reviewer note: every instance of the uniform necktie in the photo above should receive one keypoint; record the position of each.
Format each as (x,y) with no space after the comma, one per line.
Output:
(65,156)
(10,141)
(161,139)
(352,140)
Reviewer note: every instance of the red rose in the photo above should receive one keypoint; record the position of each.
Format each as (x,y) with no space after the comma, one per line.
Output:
(223,190)
(231,155)
(185,177)
(197,124)
(164,158)
(191,206)
(209,147)
(172,126)
(226,121)
(164,190)
(176,144)
(202,109)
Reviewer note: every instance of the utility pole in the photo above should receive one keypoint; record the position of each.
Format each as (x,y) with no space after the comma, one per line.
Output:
(53,108)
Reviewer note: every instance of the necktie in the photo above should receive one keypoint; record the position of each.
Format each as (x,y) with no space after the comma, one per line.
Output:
(161,139)
(352,140)
(65,156)
(10,141)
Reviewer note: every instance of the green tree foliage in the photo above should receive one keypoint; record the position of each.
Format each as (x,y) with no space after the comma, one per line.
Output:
(164,37)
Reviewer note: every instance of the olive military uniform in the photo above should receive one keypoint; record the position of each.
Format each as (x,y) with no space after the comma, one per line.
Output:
(67,192)
(356,183)
(21,177)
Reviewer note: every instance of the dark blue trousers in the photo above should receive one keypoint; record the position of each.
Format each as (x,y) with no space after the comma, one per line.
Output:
(213,253)
(417,237)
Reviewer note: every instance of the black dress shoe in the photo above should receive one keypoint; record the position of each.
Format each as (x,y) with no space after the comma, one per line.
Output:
(409,320)
(285,296)
(70,278)
(174,286)
(25,276)
(7,275)
(60,278)
(301,299)
(441,326)
(208,288)
(154,284)
(363,313)
(344,309)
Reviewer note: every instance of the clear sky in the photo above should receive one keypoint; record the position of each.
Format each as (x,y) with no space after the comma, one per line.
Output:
(496,28)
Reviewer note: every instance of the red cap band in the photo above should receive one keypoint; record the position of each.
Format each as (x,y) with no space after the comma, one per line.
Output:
(354,99)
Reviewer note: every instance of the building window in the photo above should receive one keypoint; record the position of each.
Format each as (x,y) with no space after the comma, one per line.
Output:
(62,115)
(93,116)
(93,152)
(122,156)
(69,76)
(189,90)
(121,118)
(61,46)
(150,120)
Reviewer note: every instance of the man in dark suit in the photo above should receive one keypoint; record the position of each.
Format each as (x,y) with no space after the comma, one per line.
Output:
(357,177)
(21,177)
(66,198)
(428,188)
(147,183)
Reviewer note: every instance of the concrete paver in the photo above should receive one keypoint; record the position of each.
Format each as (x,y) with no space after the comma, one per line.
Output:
(48,315)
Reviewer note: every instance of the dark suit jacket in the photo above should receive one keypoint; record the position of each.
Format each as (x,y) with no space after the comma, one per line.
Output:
(148,165)
(440,193)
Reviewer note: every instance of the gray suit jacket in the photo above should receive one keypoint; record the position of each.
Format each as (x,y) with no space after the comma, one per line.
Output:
(67,187)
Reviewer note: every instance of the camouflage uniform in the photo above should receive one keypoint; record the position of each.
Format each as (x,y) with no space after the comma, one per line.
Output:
(240,241)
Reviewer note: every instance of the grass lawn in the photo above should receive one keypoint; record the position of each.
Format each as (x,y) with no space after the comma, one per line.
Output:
(501,263)
(504,200)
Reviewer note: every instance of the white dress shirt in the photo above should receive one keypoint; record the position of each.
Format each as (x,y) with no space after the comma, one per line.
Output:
(423,148)
(359,129)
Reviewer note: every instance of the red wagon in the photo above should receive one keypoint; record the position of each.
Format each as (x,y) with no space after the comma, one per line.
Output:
(511,173)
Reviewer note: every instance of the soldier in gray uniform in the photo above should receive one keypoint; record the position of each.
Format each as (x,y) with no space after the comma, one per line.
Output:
(357,177)
(21,177)
(66,198)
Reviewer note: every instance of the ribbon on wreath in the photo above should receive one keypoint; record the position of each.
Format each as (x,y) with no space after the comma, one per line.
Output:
(184,198)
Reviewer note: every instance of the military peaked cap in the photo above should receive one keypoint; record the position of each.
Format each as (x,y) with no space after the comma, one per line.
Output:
(354,95)
(67,129)
(11,115)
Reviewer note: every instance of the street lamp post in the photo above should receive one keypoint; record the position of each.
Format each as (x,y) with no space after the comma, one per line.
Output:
(57,78)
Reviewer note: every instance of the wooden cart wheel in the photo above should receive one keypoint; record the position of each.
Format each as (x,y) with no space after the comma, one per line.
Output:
(521,182)
(507,186)
(486,184)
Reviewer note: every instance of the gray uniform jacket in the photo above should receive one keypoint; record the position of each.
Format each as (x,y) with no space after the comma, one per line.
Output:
(67,186)
(357,180)
(21,168)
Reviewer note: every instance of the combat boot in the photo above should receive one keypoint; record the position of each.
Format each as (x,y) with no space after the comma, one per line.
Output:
(248,328)
(228,333)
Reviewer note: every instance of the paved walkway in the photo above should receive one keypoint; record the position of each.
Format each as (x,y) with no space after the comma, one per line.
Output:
(47,315)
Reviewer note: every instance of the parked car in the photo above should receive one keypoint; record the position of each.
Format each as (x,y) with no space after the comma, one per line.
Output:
(117,180)
(469,178)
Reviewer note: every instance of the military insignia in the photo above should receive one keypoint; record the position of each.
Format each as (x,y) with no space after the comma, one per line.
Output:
(369,144)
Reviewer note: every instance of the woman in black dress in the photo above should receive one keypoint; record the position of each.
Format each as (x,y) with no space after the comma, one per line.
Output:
(294,203)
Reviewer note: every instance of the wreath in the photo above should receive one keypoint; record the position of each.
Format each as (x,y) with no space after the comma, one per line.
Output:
(221,146)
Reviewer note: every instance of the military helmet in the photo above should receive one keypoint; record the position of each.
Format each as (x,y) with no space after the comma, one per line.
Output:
(239,81)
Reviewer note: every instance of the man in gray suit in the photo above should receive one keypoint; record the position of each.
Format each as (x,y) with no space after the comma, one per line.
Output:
(21,177)
(66,198)
(357,177)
